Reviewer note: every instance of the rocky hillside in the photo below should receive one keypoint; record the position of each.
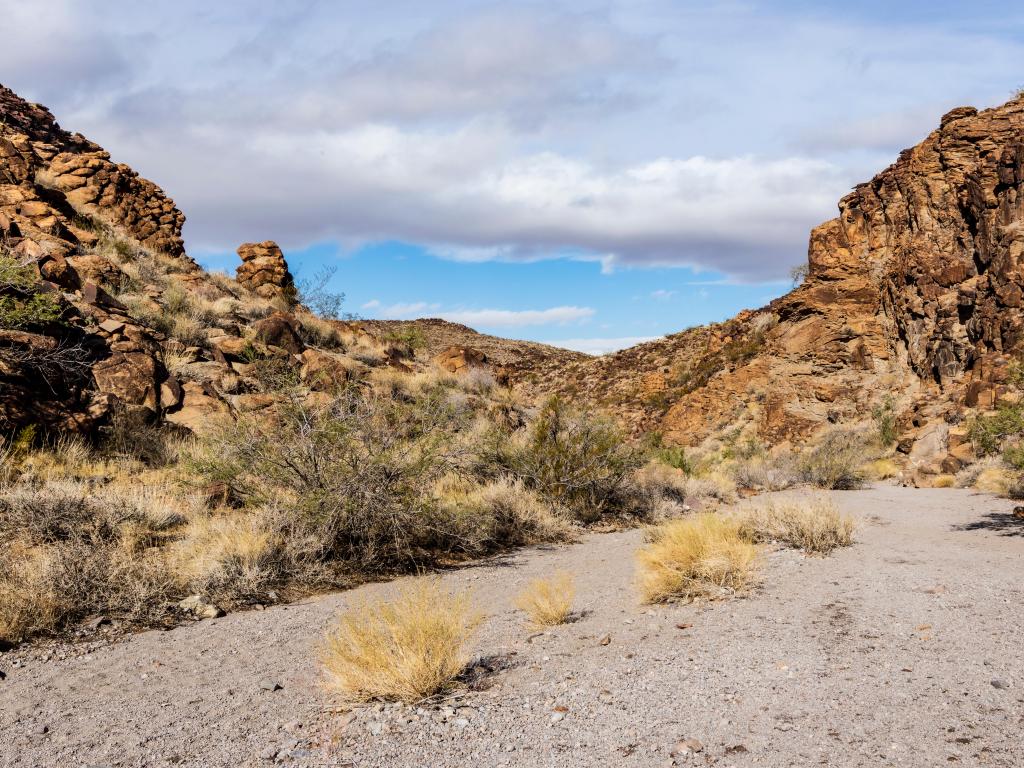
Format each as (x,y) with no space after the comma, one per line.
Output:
(102,312)
(913,295)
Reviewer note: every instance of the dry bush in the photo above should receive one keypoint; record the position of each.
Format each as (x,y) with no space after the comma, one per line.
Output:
(231,556)
(836,462)
(813,525)
(989,474)
(548,602)
(944,481)
(478,518)
(68,551)
(406,649)
(477,381)
(704,555)
(349,482)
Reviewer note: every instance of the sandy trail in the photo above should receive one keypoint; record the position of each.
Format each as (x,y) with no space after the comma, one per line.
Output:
(903,650)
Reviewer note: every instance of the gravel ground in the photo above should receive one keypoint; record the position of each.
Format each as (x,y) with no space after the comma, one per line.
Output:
(903,650)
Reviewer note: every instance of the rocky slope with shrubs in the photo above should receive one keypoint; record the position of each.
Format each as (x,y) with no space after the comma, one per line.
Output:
(176,442)
(911,302)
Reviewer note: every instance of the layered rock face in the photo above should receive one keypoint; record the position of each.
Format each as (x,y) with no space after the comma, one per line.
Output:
(914,294)
(47,174)
(264,271)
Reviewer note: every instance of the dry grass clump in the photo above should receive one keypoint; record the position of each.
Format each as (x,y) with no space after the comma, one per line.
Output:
(703,555)
(548,602)
(944,481)
(881,469)
(406,649)
(813,525)
(68,552)
(482,517)
(233,555)
(988,474)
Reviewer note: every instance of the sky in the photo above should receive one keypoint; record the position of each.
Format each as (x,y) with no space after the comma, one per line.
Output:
(590,174)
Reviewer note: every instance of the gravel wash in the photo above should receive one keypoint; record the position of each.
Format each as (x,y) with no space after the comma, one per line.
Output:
(902,650)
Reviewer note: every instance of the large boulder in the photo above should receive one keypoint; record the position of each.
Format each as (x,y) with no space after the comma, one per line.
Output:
(460,359)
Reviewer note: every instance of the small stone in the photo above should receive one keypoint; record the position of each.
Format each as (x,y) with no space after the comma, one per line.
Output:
(461,722)
(292,726)
(41,730)
(686,746)
(605,697)
(557,717)
(270,685)
(605,640)
(1000,684)
(268,753)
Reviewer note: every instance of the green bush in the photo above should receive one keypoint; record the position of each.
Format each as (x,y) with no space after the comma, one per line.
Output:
(22,302)
(987,433)
(573,460)
(885,421)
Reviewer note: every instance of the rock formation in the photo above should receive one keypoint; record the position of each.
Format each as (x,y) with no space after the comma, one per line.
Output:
(264,271)
(913,292)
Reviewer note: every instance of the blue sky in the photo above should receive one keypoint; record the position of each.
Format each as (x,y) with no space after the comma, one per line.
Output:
(588,173)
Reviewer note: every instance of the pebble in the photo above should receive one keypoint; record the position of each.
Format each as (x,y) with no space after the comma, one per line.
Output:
(557,717)
(1000,684)
(270,685)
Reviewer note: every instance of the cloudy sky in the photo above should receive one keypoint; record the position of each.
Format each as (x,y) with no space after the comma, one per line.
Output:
(585,173)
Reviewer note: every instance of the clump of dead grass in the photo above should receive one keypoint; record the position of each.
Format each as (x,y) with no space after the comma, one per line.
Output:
(705,555)
(406,649)
(548,602)
(813,525)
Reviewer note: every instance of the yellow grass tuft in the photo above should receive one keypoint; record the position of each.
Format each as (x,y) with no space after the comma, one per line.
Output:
(697,556)
(407,649)
(548,602)
(881,469)
(944,481)
(813,525)
(995,480)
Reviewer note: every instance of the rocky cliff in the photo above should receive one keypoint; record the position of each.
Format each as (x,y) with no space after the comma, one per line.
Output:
(913,294)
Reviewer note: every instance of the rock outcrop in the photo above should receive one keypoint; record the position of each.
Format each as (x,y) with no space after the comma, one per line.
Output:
(264,271)
(914,293)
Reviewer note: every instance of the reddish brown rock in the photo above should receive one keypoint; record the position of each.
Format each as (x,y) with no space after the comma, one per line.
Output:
(280,330)
(264,271)
(130,377)
(460,359)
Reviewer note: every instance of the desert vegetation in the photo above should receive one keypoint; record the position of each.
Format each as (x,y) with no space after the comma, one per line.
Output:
(408,648)
(548,602)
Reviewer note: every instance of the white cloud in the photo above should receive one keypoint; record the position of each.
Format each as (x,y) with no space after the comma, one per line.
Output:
(600,346)
(371,304)
(509,318)
(405,311)
(624,133)
(487,318)
(662,295)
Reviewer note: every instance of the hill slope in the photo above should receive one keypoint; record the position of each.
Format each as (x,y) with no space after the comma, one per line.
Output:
(913,293)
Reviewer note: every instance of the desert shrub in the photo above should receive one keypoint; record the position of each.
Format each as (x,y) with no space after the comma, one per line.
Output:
(715,485)
(67,552)
(575,461)
(548,602)
(758,472)
(885,421)
(352,480)
(23,304)
(987,433)
(270,373)
(316,294)
(813,525)
(705,555)
(406,649)
(836,462)
(944,481)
